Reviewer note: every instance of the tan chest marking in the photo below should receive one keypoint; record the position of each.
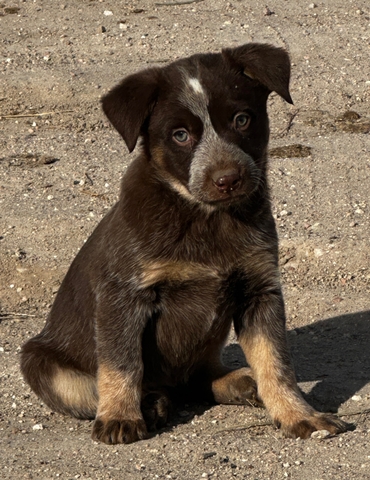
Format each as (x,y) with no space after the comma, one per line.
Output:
(175,272)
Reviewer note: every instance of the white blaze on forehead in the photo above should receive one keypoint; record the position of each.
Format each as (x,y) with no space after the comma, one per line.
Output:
(194,97)
(196,85)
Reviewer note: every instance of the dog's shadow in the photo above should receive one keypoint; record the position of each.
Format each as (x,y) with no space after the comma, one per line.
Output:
(331,358)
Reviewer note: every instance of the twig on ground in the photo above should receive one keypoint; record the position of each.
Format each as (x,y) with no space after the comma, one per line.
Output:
(289,125)
(179,2)
(103,196)
(21,115)
(244,427)
(16,314)
(159,60)
(267,423)
(353,413)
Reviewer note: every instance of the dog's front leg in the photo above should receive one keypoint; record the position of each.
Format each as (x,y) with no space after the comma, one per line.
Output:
(262,335)
(119,327)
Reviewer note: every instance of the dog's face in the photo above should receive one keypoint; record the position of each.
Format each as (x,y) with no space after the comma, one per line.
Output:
(204,119)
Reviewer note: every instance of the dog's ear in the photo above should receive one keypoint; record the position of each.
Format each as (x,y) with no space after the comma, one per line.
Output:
(129,104)
(268,64)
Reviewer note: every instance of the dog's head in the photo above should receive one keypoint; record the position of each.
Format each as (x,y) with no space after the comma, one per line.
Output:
(204,119)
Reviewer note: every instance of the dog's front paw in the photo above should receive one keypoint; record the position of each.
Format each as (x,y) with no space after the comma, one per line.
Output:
(318,421)
(119,431)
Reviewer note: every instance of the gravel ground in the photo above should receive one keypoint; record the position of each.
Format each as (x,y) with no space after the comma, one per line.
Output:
(60,165)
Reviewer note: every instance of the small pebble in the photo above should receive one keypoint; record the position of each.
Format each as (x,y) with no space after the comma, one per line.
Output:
(356,398)
(38,426)
(267,11)
(107,13)
(208,455)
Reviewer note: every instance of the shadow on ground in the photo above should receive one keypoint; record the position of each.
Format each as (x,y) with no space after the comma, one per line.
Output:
(334,353)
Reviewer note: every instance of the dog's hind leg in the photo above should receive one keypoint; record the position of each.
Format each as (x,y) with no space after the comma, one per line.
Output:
(62,387)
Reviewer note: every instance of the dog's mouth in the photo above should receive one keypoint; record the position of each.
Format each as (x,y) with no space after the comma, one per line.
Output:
(226,189)
(227,198)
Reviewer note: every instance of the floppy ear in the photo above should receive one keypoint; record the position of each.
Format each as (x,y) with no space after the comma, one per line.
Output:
(265,63)
(129,104)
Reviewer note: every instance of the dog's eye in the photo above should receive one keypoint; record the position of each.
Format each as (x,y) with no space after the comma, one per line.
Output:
(241,121)
(181,136)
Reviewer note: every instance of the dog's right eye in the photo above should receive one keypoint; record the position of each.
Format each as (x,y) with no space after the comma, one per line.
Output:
(181,136)
(241,121)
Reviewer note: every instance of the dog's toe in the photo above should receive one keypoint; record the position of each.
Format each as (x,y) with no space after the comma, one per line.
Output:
(119,431)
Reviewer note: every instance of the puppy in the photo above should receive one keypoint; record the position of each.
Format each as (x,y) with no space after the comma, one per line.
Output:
(189,249)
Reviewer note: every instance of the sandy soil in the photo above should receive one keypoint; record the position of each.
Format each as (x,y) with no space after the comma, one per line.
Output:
(60,165)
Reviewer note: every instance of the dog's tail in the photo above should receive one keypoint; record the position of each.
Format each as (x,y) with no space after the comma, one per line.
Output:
(64,389)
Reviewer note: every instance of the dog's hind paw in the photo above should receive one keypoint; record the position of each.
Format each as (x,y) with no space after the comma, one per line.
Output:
(155,407)
(237,388)
(119,431)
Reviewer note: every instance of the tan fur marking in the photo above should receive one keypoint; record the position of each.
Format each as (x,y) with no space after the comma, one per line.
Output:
(76,390)
(157,156)
(119,395)
(179,187)
(248,74)
(155,272)
(279,394)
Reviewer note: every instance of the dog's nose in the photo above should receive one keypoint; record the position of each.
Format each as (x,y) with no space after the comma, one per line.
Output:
(226,181)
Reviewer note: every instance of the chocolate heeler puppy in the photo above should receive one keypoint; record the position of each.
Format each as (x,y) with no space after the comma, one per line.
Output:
(189,249)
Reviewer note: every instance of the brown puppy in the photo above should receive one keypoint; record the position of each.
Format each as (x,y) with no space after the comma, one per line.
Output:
(189,249)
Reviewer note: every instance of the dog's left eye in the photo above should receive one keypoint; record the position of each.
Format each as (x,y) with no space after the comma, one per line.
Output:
(181,136)
(241,121)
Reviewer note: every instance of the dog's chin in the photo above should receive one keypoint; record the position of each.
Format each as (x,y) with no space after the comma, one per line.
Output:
(224,200)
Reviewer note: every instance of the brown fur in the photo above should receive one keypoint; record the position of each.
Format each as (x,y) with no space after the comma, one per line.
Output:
(189,249)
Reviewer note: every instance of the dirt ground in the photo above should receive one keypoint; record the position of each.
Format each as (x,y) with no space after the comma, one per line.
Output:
(60,165)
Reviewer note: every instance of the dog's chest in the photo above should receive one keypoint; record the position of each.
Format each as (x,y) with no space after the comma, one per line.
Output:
(193,305)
